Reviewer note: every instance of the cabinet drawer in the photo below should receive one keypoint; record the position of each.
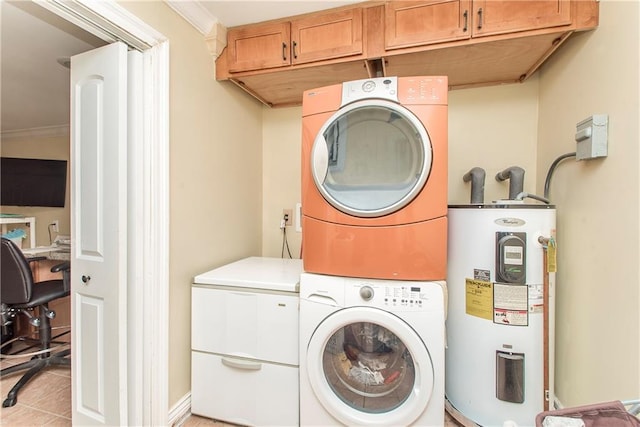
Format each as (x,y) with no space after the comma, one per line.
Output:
(244,392)
(247,324)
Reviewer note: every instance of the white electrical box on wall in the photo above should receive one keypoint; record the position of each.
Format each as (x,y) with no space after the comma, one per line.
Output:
(298,217)
(591,137)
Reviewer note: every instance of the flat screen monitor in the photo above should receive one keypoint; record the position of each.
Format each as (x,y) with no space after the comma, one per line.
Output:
(32,182)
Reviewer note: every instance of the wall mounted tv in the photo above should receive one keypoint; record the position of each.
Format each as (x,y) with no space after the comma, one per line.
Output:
(32,182)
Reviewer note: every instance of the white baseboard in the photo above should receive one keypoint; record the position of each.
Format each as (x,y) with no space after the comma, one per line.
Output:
(180,411)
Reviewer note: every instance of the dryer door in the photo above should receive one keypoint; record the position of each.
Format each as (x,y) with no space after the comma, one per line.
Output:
(371,158)
(368,367)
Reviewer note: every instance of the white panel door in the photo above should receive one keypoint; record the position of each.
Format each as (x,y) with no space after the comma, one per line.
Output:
(99,232)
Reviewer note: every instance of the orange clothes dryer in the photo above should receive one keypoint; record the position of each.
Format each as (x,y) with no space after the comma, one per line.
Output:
(374,178)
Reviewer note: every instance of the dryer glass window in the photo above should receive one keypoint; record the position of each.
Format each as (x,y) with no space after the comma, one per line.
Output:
(368,367)
(379,157)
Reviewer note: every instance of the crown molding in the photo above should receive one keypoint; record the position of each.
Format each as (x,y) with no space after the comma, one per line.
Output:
(195,14)
(40,132)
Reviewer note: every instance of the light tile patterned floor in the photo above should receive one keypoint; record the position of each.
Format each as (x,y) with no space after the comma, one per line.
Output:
(196,421)
(46,401)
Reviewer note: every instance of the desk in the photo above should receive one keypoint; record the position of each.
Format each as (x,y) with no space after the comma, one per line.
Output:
(30,221)
(59,253)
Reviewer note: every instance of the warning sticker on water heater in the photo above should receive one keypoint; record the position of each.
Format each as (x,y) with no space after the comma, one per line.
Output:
(479,298)
(511,304)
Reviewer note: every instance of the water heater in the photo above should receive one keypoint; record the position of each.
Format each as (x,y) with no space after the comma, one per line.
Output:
(499,357)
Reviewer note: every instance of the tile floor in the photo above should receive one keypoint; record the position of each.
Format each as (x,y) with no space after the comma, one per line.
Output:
(196,421)
(46,401)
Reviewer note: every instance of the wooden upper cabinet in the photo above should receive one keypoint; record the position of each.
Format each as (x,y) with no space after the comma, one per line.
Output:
(259,47)
(414,23)
(308,39)
(474,42)
(492,17)
(326,36)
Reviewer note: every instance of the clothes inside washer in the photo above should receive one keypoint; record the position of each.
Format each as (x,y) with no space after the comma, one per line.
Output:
(368,367)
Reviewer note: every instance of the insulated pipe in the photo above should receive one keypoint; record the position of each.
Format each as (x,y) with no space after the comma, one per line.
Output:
(476,176)
(522,195)
(515,175)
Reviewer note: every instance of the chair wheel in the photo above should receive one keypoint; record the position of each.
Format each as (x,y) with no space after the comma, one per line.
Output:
(9,402)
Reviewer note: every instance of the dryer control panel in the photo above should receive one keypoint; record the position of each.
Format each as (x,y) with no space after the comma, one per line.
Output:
(380,88)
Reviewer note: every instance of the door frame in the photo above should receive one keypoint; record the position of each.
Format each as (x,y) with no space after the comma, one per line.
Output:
(148,219)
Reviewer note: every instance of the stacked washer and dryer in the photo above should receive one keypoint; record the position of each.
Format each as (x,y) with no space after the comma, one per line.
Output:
(374,221)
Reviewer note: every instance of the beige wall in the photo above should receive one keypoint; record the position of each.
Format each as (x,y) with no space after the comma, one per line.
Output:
(235,166)
(492,128)
(215,176)
(598,281)
(282,130)
(51,147)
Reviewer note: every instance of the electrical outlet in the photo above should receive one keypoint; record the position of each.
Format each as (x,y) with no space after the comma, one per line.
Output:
(55,226)
(287,215)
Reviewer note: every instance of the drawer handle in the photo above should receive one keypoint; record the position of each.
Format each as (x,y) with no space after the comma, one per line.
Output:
(284,51)
(466,20)
(480,18)
(241,364)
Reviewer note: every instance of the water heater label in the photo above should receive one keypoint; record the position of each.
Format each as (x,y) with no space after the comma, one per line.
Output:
(511,304)
(479,298)
(484,275)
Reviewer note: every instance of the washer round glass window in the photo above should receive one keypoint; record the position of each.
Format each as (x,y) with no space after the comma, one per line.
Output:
(368,367)
(371,158)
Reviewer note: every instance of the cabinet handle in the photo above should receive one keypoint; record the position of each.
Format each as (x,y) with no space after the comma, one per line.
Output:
(284,51)
(480,18)
(241,364)
(293,47)
(465,15)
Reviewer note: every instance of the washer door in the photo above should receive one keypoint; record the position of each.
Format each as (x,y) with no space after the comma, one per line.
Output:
(371,158)
(368,367)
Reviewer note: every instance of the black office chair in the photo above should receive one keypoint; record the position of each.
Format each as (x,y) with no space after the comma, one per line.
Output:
(20,295)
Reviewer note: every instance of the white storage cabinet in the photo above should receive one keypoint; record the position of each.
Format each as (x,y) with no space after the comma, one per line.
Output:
(245,342)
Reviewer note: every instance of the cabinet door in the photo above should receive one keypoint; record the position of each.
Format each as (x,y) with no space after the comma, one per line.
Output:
(258,47)
(496,17)
(414,23)
(326,36)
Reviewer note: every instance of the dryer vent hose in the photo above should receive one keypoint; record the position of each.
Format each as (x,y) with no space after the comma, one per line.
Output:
(515,175)
(476,176)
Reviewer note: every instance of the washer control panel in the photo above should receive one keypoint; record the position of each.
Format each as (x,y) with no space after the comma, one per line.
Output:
(405,296)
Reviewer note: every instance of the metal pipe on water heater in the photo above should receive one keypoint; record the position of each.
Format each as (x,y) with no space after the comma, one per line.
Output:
(476,175)
(515,175)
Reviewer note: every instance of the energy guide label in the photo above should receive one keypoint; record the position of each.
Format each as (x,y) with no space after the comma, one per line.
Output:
(479,298)
(510,304)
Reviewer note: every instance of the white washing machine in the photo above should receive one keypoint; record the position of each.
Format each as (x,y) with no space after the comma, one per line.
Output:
(371,352)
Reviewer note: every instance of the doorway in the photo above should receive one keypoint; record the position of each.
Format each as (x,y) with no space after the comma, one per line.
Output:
(147,246)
